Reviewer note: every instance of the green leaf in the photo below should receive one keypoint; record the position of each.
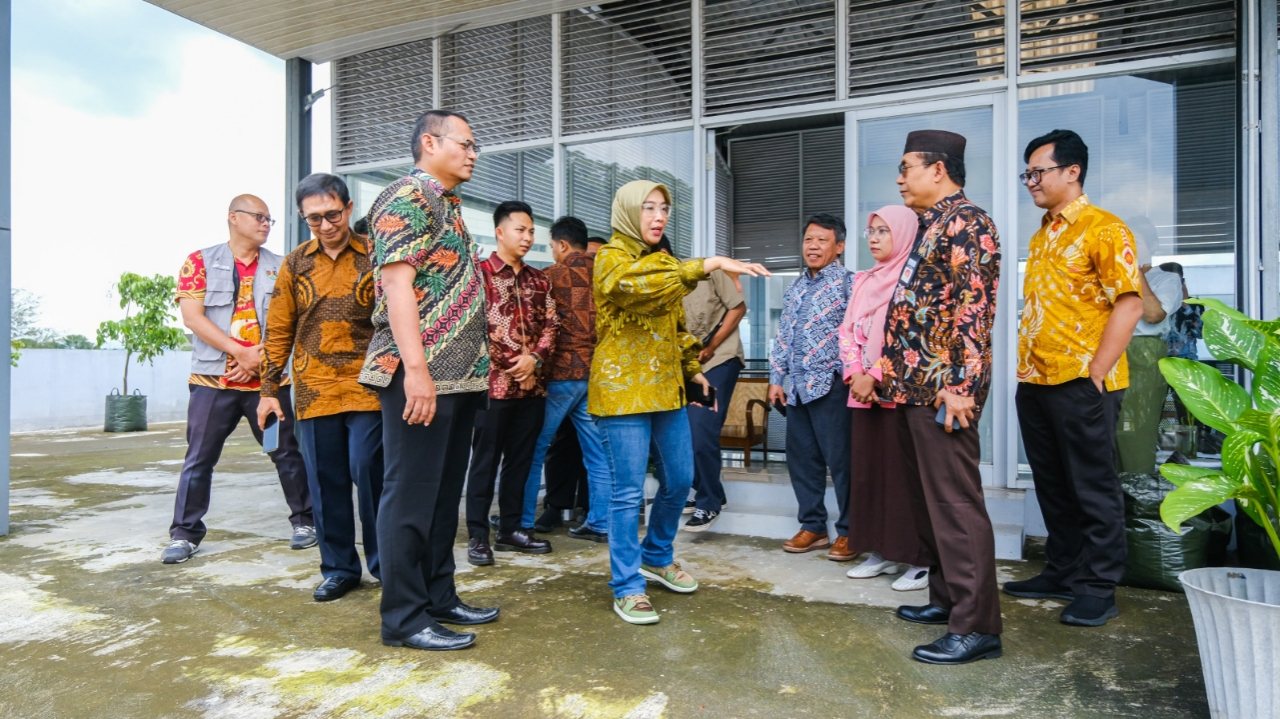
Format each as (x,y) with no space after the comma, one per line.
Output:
(1210,397)
(1212,305)
(1180,474)
(1266,380)
(1231,338)
(1236,449)
(1273,427)
(1254,421)
(1197,495)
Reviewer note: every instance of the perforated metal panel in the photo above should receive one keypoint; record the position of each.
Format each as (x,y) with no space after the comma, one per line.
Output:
(525,175)
(500,78)
(377,97)
(767,54)
(923,43)
(1058,34)
(626,64)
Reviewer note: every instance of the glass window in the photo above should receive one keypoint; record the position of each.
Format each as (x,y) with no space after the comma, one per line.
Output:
(596,170)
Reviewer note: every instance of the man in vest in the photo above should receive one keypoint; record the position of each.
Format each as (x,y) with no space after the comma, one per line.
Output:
(223,293)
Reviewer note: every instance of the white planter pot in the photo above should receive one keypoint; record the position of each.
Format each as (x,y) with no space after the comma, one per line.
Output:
(1237,619)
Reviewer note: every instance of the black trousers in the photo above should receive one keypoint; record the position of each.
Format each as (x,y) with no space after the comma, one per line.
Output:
(426,467)
(212,415)
(1069,433)
(565,472)
(941,473)
(504,439)
(818,440)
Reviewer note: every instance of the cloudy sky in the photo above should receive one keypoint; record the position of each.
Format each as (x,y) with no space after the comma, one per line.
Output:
(132,129)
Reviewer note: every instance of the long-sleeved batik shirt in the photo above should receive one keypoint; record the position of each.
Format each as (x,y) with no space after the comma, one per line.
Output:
(938,331)
(522,320)
(806,353)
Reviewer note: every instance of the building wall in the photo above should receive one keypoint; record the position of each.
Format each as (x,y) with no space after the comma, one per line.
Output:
(56,389)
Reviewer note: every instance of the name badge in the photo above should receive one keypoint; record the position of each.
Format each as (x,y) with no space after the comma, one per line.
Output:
(908,271)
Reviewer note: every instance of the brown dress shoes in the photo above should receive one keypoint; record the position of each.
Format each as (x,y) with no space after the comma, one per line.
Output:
(841,551)
(806,541)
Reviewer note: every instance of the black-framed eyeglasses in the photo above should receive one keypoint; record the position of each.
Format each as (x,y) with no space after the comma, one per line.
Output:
(469,146)
(903,167)
(261,218)
(1032,177)
(317,219)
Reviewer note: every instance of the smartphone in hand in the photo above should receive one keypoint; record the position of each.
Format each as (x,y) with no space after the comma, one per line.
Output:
(271,435)
(695,394)
(941,419)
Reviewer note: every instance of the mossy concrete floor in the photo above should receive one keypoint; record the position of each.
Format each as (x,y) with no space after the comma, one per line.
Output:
(93,625)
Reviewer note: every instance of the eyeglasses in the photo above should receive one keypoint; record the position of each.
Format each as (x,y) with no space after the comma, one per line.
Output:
(468,146)
(318,219)
(650,207)
(903,167)
(261,218)
(1032,177)
(870,232)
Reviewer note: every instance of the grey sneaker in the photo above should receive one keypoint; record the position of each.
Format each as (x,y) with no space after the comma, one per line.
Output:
(178,551)
(635,609)
(304,535)
(671,576)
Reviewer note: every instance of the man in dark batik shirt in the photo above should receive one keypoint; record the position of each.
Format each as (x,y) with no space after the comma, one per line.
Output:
(937,368)
(522,324)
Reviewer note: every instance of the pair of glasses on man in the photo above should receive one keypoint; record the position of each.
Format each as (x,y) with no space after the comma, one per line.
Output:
(1032,177)
(258,217)
(318,219)
(471,147)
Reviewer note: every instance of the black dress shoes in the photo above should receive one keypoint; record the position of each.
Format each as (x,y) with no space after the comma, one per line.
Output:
(1089,611)
(462,613)
(924,614)
(959,649)
(548,520)
(479,553)
(434,639)
(582,531)
(521,541)
(335,588)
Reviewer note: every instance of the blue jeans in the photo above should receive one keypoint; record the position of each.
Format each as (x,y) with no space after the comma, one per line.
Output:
(629,439)
(340,450)
(568,398)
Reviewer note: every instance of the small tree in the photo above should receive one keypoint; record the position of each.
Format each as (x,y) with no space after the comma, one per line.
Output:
(145,330)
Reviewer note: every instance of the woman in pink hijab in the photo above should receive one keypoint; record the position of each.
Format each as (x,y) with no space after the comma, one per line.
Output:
(880,518)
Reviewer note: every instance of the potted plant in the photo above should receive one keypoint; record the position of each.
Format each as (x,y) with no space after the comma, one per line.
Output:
(146,332)
(1236,611)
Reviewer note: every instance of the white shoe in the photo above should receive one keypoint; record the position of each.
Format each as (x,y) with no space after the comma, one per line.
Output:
(874,566)
(912,579)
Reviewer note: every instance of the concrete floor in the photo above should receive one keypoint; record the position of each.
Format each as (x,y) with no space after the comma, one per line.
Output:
(93,625)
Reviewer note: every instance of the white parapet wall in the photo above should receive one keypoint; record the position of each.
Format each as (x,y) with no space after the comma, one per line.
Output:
(56,389)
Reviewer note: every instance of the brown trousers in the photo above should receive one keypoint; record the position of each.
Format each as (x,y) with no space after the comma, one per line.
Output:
(951,516)
(881,513)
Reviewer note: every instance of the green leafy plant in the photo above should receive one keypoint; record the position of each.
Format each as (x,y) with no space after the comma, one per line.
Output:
(1250,420)
(146,330)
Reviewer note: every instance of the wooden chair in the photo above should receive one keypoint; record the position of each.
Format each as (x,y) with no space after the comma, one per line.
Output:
(746,424)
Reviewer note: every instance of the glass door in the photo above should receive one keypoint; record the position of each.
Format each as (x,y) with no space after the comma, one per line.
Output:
(873,148)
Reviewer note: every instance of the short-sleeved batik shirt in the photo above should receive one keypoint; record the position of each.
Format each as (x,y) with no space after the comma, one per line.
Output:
(1079,263)
(417,221)
(244,327)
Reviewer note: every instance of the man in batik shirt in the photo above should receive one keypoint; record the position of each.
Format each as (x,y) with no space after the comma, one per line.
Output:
(429,362)
(223,294)
(1083,300)
(937,369)
(522,334)
(805,374)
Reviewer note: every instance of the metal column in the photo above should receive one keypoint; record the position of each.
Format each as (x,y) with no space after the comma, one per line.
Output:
(297,145)
(6,280)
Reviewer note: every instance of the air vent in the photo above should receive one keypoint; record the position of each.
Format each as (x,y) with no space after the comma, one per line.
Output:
(500,78)
(900,45)
(377,97)
(626,64)
(761,55)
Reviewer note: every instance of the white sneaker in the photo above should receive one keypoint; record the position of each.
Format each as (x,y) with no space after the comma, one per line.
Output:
(912,579)
(874,566)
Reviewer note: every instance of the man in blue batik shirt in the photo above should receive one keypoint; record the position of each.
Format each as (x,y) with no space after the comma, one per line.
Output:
(805,374)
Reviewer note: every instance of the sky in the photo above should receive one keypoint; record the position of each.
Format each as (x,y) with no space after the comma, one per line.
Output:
(132,130)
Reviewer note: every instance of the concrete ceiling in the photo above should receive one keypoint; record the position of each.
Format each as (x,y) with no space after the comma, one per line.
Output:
(324,30)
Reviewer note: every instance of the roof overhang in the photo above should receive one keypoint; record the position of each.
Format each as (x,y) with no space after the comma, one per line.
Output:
(324,30)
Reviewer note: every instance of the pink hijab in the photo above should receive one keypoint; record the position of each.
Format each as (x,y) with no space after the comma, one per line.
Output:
(864,321)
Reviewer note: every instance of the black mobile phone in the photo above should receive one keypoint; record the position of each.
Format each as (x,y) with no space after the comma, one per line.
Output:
(781,407)
(271,435)
(694,393)
(941,419)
